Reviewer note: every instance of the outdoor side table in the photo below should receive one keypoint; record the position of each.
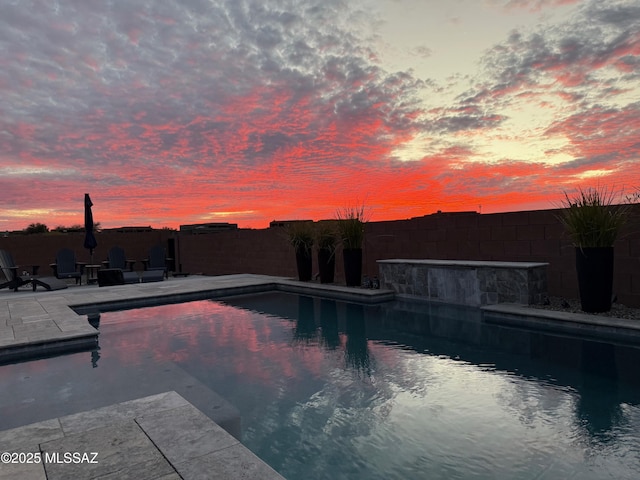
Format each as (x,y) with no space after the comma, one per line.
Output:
(92,273)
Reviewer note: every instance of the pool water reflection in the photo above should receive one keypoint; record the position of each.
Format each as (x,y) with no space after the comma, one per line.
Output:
(332,390)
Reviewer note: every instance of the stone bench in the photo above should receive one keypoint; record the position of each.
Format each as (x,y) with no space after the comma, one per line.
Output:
(466,282)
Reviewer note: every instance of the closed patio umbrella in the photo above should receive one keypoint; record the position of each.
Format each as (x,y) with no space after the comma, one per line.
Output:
(89,238)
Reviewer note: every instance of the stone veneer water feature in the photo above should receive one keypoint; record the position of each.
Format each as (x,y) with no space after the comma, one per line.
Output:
(466,282)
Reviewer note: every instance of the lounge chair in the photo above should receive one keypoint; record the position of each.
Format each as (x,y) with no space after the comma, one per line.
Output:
(116,259)
(66,266)
(155,266)
(14,279)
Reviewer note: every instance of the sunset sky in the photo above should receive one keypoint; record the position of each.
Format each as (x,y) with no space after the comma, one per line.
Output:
(174,112)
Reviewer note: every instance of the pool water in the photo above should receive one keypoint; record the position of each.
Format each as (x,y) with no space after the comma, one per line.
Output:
(333,390)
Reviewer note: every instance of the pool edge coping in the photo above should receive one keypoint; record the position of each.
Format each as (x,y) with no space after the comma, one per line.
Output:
(585,325)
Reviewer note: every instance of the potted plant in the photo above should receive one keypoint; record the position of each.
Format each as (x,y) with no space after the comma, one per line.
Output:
(301,238)
(326,239)
(593,223)
(350,223)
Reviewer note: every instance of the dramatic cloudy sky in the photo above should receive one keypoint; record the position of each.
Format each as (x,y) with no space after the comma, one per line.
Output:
(182,111)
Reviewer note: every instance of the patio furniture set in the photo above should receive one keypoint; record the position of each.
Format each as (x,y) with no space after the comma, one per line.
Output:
(116,270)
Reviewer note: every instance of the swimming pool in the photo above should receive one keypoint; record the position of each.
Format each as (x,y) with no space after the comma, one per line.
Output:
(338,390)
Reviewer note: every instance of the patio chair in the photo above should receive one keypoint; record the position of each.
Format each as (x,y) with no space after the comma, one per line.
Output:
(155,263)
(14,279)
(66,266)
(116,259)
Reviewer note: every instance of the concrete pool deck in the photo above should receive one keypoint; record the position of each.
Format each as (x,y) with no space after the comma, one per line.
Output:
(164,436)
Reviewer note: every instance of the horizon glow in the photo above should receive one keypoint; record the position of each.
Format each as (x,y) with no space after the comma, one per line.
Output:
(244,111)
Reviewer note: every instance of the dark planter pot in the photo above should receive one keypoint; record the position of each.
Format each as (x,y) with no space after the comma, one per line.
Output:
(594,266)
(352,266)
(326,265)
(303,262)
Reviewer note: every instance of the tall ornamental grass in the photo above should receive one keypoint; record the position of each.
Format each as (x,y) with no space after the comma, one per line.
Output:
(301,235)
(351,221)
(326,235)
(591,218)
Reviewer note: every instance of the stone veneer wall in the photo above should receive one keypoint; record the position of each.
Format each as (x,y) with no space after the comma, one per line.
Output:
(466,283)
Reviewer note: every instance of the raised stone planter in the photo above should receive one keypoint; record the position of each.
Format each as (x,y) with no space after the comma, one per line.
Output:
(466,282)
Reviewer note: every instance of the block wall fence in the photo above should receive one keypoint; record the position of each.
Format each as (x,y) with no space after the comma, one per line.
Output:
(530,236)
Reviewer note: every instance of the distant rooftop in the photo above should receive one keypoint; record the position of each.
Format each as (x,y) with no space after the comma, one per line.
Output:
(134,229)
(440,212)
(198,228)
(284,223)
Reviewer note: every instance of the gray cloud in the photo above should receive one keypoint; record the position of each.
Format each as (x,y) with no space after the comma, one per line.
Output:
(534,5)
(588,59)
(465,118)
(600,34)
(83,67)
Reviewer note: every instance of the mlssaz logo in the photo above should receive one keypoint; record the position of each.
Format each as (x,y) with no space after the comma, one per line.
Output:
(70,457)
